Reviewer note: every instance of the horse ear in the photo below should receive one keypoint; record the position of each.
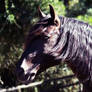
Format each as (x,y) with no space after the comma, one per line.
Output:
(40,13)
(54,17)
(52,12)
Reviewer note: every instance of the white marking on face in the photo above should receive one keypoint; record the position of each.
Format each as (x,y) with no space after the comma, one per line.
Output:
(25,65)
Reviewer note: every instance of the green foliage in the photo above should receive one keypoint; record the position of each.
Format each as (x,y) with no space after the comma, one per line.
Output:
(11,18)
(58,6)
(86,18)
(77,7)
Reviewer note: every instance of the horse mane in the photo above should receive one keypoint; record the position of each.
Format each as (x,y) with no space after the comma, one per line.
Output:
(75,42)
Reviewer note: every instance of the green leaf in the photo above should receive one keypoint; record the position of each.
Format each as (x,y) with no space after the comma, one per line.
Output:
(11,18)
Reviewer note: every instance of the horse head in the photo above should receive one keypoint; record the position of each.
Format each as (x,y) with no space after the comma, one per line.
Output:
(40,44)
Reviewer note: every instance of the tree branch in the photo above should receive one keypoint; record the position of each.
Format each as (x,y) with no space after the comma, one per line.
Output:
(40,83)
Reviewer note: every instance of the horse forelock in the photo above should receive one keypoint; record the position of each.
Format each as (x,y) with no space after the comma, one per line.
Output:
(35,31)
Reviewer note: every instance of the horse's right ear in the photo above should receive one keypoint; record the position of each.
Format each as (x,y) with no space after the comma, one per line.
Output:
(54,16)
(40,13)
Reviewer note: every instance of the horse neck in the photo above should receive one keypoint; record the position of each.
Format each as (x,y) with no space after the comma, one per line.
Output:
(75,47)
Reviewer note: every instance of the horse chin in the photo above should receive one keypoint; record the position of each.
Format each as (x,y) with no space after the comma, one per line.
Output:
(30,75)
(26,79)
(29,80)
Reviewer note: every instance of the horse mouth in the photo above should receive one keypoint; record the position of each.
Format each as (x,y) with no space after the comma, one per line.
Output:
(29,76)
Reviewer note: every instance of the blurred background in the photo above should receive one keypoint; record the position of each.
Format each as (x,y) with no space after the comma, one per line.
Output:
(16,19)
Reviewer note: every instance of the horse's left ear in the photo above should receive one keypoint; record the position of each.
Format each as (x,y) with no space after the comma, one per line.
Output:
(40,13)
(54,16)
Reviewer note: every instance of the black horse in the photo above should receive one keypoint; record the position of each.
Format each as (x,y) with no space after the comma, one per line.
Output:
(53,40)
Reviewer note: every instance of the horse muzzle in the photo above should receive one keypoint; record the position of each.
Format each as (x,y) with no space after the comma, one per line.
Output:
(27,76)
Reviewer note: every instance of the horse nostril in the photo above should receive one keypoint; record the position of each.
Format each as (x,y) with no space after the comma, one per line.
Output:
(32,74)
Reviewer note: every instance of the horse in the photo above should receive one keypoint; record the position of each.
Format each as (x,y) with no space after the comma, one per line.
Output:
(55,39)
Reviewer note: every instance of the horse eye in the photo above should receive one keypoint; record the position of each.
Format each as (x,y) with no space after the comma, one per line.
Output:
(28,58)
(31,56)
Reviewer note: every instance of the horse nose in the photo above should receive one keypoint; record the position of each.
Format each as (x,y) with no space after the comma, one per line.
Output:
(32,74)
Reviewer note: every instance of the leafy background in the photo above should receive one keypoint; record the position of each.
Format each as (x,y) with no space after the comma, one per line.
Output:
(16,19)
